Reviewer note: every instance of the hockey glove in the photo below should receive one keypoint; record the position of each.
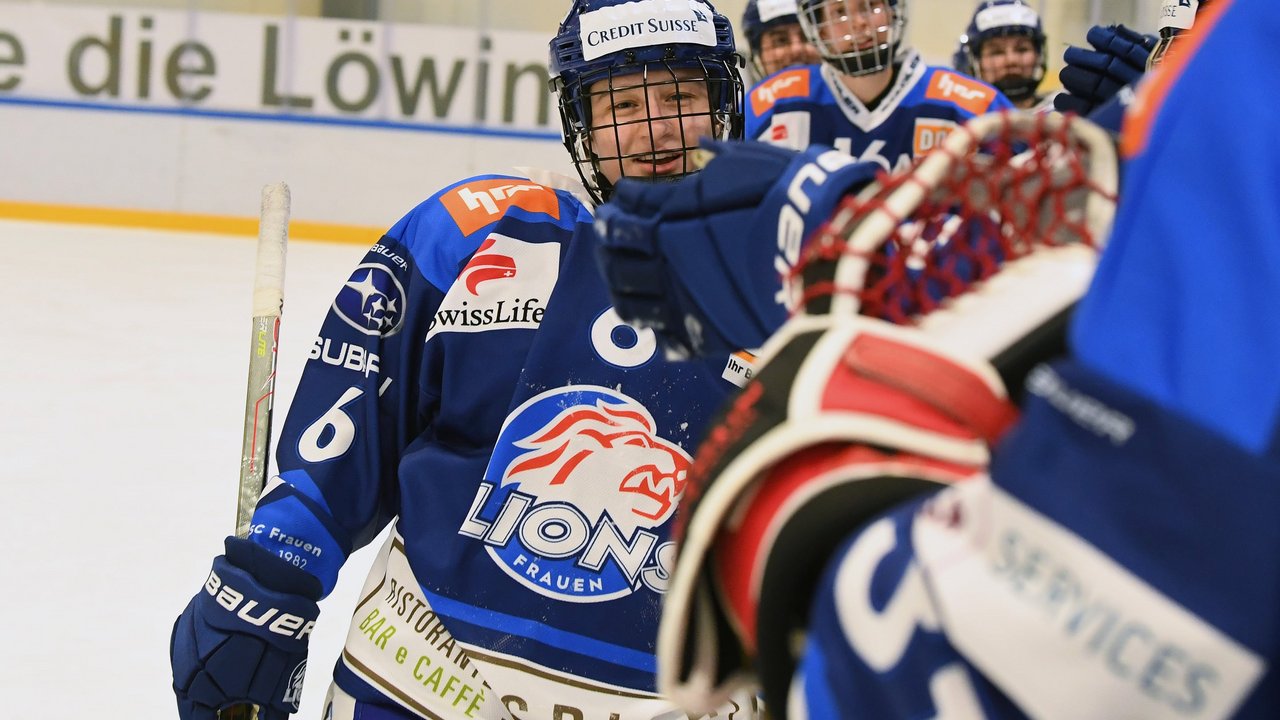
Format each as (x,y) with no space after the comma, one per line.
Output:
(243,637)
(1091,77)
(880,414)
(702,261)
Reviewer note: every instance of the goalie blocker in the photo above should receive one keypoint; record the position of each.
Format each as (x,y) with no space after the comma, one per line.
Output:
(891,383)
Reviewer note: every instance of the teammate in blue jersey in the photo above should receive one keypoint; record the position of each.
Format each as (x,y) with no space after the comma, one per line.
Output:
(775,37)
(871,97)
(1118,559)
(1005,46)
(473,386)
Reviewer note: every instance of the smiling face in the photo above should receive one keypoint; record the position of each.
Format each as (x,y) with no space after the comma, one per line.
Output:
(848,26)
(646,125)
(1009,56)
(857,37)
(783,46)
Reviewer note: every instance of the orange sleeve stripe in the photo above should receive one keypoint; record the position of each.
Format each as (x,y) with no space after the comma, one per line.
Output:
(1151,95)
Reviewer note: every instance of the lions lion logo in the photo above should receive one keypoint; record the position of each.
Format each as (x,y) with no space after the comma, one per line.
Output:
(577,491)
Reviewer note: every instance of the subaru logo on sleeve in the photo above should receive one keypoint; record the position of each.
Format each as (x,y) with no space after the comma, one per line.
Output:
(371,301)
(576,495)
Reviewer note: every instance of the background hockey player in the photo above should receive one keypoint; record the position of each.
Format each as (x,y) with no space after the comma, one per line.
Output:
(774,35)
(1005,45)
(529,447)
(872,97)
(1110,564)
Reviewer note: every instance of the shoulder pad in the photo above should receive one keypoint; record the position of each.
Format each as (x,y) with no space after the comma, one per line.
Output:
(448,227)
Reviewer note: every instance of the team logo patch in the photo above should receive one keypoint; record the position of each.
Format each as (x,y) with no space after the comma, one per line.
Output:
(962,91)
(929,134)
(293,693)
(576,493)
(372,300)
(476,204)
(505,285)
(791,83)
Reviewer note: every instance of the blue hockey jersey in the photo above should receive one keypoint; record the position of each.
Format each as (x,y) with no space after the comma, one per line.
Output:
(472,382)
(1121,560)
(809,105)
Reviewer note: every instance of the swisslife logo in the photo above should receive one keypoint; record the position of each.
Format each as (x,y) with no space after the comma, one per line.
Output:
(504,285)
(575,494)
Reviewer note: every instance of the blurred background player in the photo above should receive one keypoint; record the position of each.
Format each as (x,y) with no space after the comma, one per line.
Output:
(774,35)
(872,97)
(1005,45)
(529,447)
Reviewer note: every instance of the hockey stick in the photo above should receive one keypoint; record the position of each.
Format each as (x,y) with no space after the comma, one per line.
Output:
(268,300)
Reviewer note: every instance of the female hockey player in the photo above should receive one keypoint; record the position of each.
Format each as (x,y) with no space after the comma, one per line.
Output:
(774,35)
(474,387)
(1004,46)
(872,97)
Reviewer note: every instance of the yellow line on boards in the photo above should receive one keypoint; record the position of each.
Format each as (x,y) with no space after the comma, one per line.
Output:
(182,222)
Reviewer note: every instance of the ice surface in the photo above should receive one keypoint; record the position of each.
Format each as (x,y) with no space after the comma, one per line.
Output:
(122,369)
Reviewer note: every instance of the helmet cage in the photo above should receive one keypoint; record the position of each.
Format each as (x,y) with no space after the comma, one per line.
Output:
(724,93)
(656,65)
(830,25)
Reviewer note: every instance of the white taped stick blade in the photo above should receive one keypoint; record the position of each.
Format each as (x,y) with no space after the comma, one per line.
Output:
(273,234)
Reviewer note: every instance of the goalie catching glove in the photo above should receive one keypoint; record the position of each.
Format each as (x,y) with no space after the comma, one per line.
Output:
(701,260)
(243,638)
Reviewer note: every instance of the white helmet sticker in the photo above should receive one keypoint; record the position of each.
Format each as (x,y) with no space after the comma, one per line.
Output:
(1179,14)
(998,16)
(645,23)
(773,9)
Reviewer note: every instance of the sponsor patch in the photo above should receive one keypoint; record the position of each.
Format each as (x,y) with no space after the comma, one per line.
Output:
(644,23)
(505,285)
(929,134)
(372,300)
(1179,14)
(772,9)
(788,130)
(791,83)
(1118,645)
(576,493)
(962,91)
(1000,16)
(476,204)
(739,368)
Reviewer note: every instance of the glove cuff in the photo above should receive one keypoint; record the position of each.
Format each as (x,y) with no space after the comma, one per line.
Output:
(271,571)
